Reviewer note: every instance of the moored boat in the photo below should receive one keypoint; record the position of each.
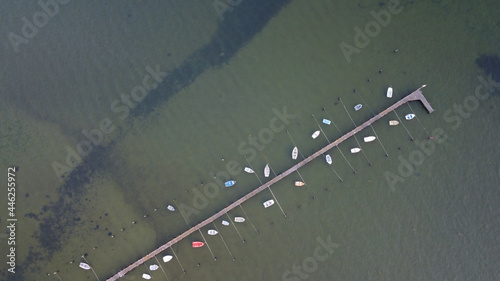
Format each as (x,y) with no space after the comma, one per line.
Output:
(327,122)
(249,170)
(358,107)
(295,153)
(229,183)
(268,203)
(315,134)
(369,138)
(167,258)
(355,150)
(197,244)
(226,223)
(153,267)
(146,276)
(212,232)
(299,183)
(170,208)
(393,122)
(239,219)
(389,92)
(328,159)
(267,170)
(409,116)
(84,266)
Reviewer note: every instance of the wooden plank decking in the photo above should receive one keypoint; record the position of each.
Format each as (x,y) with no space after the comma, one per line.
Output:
(416,95)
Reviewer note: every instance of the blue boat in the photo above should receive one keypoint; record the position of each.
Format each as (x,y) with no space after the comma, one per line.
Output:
(230,183)
(327,122)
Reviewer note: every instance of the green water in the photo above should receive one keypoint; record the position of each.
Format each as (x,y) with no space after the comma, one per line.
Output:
(437,222)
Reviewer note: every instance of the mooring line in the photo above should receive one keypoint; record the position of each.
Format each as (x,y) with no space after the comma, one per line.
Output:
(149,271)
(183,270)
(235,228)
(187,222)
(401,122)
(91,267)
(295,145)
(272,193)
(418,119)
(161,268)
(223,241)
(55,273)
(354,123)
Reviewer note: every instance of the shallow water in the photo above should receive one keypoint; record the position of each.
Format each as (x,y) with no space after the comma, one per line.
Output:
(438,221)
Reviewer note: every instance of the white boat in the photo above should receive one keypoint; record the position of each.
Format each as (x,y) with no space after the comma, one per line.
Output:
(153,267)
(315,134)
(328,159)
(410,116)
(226,223)
(295,153)
(170,208)
(358,107)
(167,258)
(393,122)
(369,138)
(268,203)
(212,232)
(239,219)
(249,170)
(389,92)
(327,122)
(146,276)
(84,266)
(267,170)
(355,150)
(299,183)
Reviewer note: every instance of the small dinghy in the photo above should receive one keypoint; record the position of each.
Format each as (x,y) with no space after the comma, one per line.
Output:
(267,170)
(328,159)
(153,267)
(315,134)
(389,92)
(249,170)
(229,183)
(197,244)
(355,150)
(170,208)
(226,223)
(299,183)
(369,138)
(358,107)
(167,258)
(327,122)
(84,266)
(212,232)
(410,116)
(146,276)
(393,123)
(239,219)
(295,153)
(268,203)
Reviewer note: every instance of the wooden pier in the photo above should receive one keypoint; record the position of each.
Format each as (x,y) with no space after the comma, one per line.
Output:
(414,96)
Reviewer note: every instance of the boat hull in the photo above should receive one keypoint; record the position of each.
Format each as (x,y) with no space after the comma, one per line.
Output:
(369,139)
(268,203)
(355,150)
(328,159)
(295,153)
(197,244)
(409,116)
(299,183)
(389,92)
(229,183)
(239,219)
(393,122)
(315,134)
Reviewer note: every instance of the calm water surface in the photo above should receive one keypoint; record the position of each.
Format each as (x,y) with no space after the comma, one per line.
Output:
(433,220)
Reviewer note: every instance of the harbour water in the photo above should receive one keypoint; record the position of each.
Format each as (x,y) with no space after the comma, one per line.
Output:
(220,88)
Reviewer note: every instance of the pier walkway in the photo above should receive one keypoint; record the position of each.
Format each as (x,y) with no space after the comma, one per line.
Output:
(414,96)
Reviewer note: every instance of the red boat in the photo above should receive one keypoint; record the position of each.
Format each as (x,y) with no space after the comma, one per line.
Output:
(198,244)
